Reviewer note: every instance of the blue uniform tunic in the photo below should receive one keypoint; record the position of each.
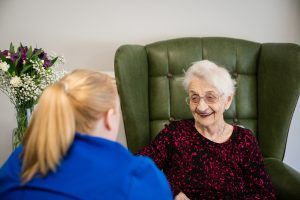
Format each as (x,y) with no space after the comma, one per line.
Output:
(93,168)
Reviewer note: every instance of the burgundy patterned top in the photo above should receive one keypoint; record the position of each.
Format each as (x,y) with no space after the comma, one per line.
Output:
(203,169)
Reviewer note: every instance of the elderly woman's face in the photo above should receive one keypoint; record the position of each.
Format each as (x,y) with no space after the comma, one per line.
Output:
(206,103)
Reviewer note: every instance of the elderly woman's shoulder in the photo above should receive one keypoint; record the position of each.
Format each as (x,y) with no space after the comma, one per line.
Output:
(244,134)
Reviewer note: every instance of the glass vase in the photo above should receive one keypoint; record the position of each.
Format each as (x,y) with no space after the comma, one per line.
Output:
(23,117)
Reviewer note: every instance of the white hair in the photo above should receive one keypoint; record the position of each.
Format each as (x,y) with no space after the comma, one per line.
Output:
(217,76)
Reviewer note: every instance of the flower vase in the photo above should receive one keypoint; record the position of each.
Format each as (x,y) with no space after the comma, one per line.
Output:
(23,116)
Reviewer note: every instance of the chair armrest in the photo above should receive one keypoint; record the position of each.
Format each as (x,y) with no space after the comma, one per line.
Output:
(285,179)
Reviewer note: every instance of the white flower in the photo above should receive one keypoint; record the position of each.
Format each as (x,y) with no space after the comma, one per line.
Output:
(4,66)
(16,81)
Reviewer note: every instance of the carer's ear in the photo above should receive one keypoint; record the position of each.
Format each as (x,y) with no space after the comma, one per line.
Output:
(109,119)
(228,102)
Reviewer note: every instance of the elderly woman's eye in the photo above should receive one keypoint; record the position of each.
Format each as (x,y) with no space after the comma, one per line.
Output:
(211,98)
(195,98)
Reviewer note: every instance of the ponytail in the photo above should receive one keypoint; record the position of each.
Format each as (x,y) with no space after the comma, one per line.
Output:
(75,103)
(50,133)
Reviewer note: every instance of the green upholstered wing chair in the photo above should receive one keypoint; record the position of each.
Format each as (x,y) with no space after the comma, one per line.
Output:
(149,80)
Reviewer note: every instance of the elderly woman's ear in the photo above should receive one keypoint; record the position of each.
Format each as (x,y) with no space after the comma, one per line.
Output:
(228,102)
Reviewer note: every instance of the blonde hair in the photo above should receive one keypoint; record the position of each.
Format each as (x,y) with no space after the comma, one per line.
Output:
(75,103)
(219,77)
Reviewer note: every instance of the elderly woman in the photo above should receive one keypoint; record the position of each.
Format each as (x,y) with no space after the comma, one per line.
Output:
(205,157)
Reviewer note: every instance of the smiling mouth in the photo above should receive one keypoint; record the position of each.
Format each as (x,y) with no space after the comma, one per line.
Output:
(205,114)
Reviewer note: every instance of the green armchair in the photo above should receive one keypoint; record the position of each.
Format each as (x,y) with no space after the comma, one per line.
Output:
(149,80)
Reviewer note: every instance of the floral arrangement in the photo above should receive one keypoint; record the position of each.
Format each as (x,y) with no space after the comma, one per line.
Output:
(24,73)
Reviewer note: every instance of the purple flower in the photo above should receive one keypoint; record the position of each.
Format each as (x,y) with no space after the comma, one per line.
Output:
(42,56)
(5,52)
(47,63)
(35,50)
(14,57)
(23,51)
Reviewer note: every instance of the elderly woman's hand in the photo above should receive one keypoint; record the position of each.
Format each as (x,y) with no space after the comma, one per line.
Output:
(181,196)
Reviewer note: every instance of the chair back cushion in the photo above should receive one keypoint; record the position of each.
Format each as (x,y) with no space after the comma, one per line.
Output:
(167,62)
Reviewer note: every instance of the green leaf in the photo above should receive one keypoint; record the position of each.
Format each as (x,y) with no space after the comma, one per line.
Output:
(53,61)
(11,48)
(16,61)
(29,52)
(26,68)
(12,68)
(34,57)
(21,45)
(3,58)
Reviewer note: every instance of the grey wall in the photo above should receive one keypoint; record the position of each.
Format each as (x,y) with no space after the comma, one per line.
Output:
(88,33)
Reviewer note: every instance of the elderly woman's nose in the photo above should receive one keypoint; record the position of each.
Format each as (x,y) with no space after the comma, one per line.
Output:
(202,105)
